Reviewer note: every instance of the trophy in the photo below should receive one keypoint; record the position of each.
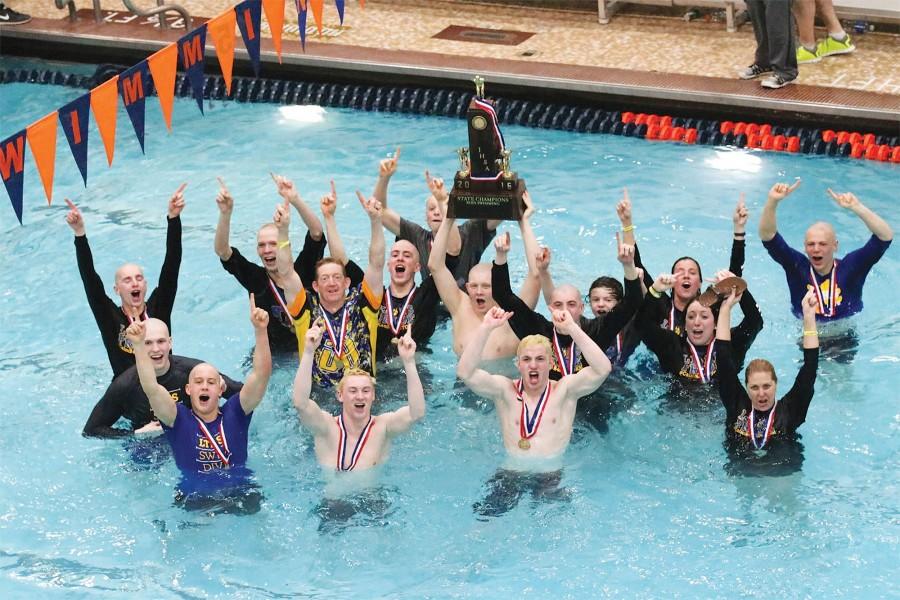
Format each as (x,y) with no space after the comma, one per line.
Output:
(484,186)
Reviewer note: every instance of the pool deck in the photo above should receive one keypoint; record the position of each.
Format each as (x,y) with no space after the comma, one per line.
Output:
(649,61)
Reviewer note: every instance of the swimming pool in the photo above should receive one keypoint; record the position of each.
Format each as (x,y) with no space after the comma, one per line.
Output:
(653,512)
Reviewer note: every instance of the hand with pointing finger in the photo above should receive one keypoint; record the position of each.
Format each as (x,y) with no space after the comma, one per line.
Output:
(328,203)
(780,191)
(388,166)
(176,202)
(74,219)
(223,199)
(258,316)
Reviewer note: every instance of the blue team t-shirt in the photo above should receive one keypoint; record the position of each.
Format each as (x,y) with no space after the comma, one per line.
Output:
(850,277)
(196,457)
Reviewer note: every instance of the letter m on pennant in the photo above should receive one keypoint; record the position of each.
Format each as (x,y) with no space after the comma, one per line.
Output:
(132,88)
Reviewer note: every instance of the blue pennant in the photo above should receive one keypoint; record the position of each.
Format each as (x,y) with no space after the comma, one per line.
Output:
(340,8)
(191,52)
(134,85)
(248,16)
(301,20)
(74,120)
(12,169)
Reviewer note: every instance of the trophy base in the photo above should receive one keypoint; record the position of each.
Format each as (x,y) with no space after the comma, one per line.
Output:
(501,199)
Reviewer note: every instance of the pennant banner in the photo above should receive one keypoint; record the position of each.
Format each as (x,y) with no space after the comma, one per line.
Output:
(42,140)
(317,7)
(340,8)
(275,16)
(104,106)
(12,169)
(74,120)
(301,21)
(163,65)
(193,61)
(248,15)
(133,87)
(221,30)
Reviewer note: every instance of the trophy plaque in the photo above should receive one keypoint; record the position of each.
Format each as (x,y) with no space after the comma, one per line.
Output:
(484,186)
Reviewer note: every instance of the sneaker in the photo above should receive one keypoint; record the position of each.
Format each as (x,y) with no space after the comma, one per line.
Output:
(804,56)
(753,71)
(773,82)
(830,46)
(10,17)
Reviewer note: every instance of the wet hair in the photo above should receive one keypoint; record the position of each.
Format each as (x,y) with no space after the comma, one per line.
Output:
(693,260)
(534,340)
(329,260)
(760,365)
(354,373)
(610,283)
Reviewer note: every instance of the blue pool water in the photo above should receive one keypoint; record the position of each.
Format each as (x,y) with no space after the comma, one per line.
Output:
(653,512)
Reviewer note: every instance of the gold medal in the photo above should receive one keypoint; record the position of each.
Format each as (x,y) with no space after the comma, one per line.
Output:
(524,444)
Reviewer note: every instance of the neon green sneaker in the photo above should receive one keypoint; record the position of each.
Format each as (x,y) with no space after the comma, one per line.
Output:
(804,56)
(830,46)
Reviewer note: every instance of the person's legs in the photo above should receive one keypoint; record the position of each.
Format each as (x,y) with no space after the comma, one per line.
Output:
(805,15)
(505,490)
(761,64)
(837,41)
(782,49)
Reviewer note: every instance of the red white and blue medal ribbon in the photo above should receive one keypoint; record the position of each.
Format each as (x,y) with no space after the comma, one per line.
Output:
(222,451)
(280,300)
(395,327)
(832,291)
(131,319)
(337,343)
(769,423)
(672,317)
(566,365)
(342,443)
(704,367)
(529,423)
(619,344)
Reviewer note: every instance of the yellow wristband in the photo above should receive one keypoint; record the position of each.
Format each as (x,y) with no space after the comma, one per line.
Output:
(811,332)
(284,244)
(653,292)
(629,228)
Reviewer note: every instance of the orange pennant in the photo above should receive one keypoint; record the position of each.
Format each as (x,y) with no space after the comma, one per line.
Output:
(221,29)
(104,103)
(42,140)
(362,3)
(317,7)
(162,67)
(275,16)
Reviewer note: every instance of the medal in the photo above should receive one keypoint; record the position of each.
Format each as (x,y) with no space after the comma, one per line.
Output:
(389,309)
(342,443)
(705,367)
(530,422)
(566,365)
(281,301)
(337,344)
(832,291)
(222,451)
(144,316)
(768,431)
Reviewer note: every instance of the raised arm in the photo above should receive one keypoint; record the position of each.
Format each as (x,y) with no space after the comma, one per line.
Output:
(374,276)
(402,419)
(168,275)
(479,381)
(810,334)
(739,237)
(225,202)
(584,381)
(328,204)
(311,416)
(768,225)
(542,264)
(288,192)
(255,385)
(284,261)
(723,324)
(93,285)
(876,224)
(437,264)
(386,169)
(623,211)
(160,401)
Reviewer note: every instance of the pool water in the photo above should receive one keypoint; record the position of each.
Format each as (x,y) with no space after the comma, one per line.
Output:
(652,510)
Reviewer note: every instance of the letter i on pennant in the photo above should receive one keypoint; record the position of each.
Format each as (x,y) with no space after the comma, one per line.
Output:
(12,169)
(74,120)
(248,15)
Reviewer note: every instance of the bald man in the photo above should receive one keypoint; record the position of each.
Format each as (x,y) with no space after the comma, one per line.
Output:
(209,441)
(130,286)
(125,398)
(837,283)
